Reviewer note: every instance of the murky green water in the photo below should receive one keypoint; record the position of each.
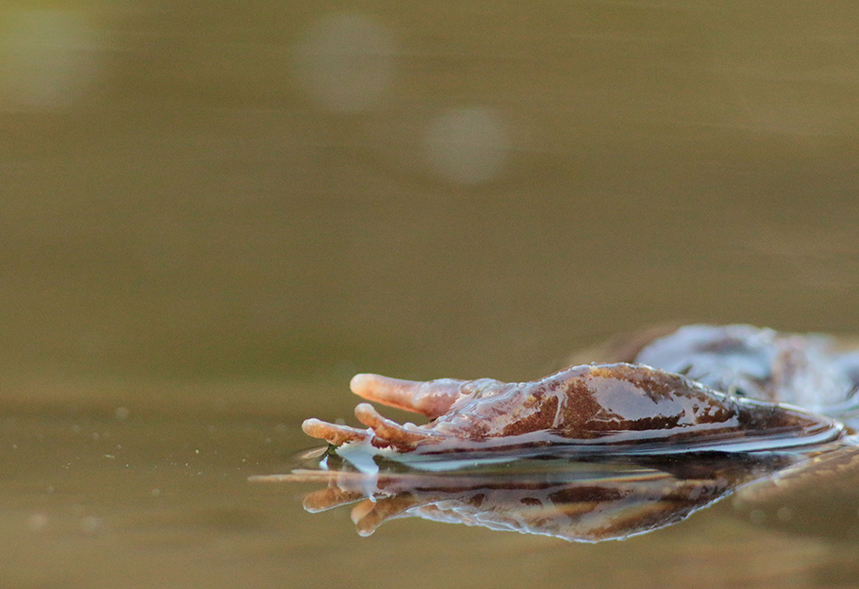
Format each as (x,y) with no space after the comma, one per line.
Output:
(212,216)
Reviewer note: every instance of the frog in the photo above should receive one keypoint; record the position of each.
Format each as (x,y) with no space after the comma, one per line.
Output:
(666,423)
(681,389)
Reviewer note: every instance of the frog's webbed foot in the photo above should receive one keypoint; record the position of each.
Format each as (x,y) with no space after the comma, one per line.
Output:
(432,398)
(383,432)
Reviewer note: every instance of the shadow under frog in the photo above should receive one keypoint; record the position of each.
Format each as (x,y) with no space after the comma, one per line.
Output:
(595,452)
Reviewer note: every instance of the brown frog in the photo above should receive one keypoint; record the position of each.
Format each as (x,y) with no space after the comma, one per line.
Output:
(624,406)
(640,444)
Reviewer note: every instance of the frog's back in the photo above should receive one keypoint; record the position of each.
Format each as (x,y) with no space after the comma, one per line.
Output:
(809,371)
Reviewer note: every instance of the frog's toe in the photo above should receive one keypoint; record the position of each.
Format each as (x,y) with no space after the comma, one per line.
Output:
(335,435)
(390,433)
(432,398)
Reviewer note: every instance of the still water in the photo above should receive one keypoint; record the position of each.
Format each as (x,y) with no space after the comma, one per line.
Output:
(104,499)
(213,216)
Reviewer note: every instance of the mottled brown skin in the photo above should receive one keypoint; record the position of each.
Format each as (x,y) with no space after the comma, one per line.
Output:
(588,405)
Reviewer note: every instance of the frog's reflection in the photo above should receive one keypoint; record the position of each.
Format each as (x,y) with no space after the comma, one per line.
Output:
(602,498)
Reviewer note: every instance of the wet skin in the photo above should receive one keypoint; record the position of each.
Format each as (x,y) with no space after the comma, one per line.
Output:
(616,404)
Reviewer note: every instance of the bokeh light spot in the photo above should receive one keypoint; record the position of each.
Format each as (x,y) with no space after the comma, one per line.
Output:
(47,59)
(467,145)
(345,62)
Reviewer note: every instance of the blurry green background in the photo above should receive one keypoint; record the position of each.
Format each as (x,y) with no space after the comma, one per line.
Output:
(288,190)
